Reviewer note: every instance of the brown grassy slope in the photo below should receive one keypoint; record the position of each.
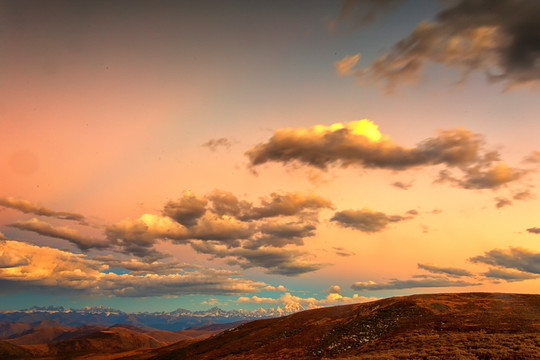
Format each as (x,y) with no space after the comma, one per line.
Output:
(466,326)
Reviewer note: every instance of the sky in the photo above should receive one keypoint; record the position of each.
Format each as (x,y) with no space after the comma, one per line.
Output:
(248,154)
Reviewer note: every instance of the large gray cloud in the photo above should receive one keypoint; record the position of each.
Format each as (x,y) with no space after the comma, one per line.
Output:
(277,261)
(396,284)
(82,241)
(366,220)
(509,275)
(500,38)
(534,230)
(513,258)
(450,271)
(360,143)
(29,207)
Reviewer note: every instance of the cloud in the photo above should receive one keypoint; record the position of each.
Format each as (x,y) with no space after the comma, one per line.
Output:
(395,284)
(513,258)
(138,236)
(345,65)
(214,144)
(275,288)
(83,242)
(220,218)
(144,266)
(534,230)
(287,204)
(277,261)
(366,220)
(360,143)
(534,157)
(309,302)
(502,202)
(454,272)
(56,271)
(28,207)
(187,209)
(402,185)
(210,302)
(342,252)
(334,289)
(509,275)
(499,38)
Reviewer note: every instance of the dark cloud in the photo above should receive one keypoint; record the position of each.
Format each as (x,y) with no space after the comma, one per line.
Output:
(500,38)
(28,207)
(83,242)
(534,230)
(502,202)
(144,266)
(214,144)
(402,185)
(366,220)
(276,261)
(509,275)
(279,234)
(523,195)
(454,272)
(187,209)
(513,258)
(342,252)
(287,204)
(395,284)
(360,143)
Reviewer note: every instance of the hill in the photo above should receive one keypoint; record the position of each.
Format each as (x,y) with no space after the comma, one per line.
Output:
(439,326)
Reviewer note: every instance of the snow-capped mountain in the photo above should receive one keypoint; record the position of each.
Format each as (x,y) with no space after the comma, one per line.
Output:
(178,319)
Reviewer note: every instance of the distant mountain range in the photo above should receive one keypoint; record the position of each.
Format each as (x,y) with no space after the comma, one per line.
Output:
(178,319)
(432,326)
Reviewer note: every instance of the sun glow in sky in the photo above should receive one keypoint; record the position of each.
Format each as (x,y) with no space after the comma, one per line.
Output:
(167,154)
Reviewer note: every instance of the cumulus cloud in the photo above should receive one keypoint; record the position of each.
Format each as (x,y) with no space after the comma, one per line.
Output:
(278,261)
(499,38)
(360,143)
(509,275)
(366,220)
(275,288)
(187,209)
(426,282)
(309,302)
(82,241)
(534,230)
(223,225)
(144,266)
(334,289)
(513,258)
(450,271)
(28,207)
(214,144)
(34,267)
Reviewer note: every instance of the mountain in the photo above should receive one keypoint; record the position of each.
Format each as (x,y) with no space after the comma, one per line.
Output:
(13,322)
(439,326)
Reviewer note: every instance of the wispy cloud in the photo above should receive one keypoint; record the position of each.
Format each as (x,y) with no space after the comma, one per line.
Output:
(215,144)
(29,207)
(80,240)
(395,284)
(450,271)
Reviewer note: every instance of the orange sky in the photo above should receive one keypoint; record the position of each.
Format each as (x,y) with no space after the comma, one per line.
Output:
(184,152)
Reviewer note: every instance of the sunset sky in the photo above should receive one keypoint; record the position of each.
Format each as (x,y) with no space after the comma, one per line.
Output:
(245,154)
